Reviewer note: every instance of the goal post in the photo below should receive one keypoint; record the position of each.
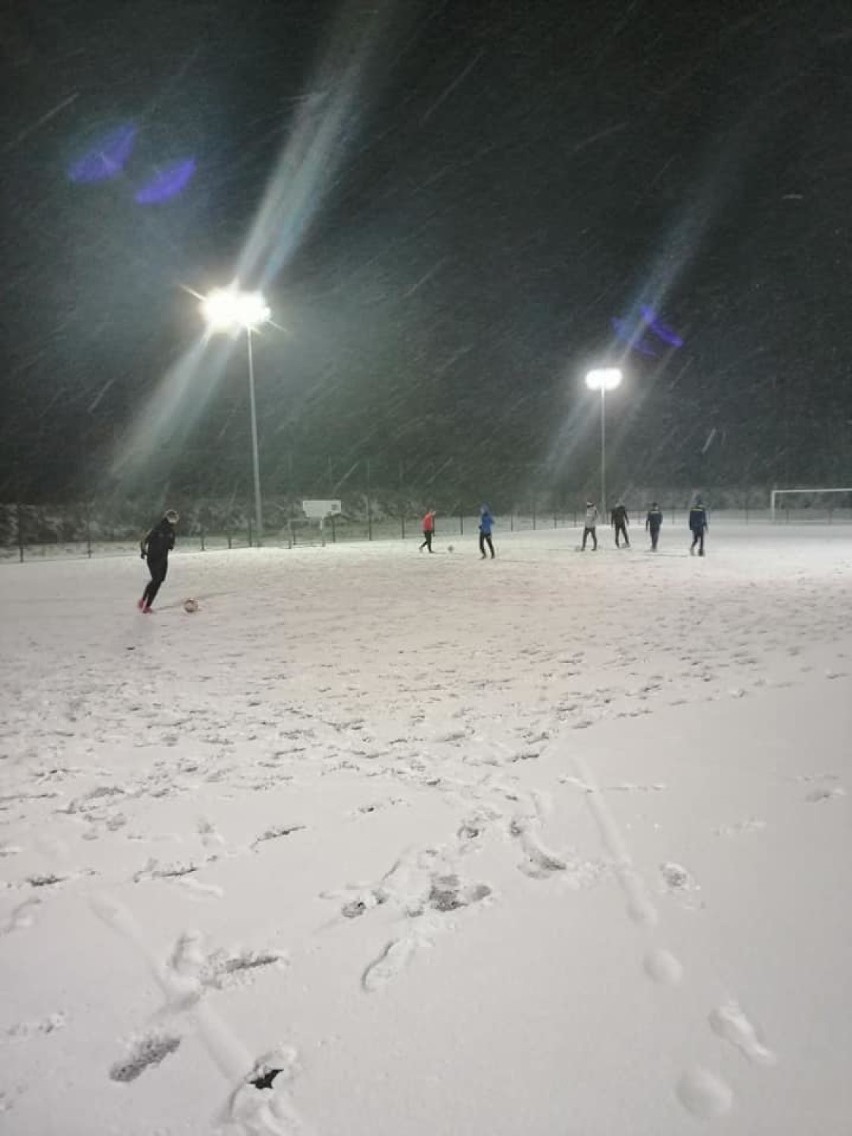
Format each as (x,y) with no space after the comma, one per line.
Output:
(808,496)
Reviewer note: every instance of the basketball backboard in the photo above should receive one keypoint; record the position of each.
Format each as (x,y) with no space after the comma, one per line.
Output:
(319,510)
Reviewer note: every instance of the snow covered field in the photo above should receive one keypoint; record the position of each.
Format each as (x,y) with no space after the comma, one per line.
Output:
(557,845)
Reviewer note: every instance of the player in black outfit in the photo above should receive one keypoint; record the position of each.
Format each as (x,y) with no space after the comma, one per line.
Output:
(698,526)
(155,548)
(652,523)
(620,521)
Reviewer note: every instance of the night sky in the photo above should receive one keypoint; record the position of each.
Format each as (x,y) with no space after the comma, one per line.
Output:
(447,204)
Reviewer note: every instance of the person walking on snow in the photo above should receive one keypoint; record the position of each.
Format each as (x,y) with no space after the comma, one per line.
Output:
(652,524)
(155,548)
(698,526)
(590,522)
(428,528)
(486,523)
(620,521)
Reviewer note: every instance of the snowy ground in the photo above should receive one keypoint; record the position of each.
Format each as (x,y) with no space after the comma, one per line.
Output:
(557,845)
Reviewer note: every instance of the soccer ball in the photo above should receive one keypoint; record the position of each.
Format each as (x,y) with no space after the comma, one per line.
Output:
(190,606)
(450,548)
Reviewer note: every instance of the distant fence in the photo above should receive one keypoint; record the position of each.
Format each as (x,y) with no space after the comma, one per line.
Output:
(30,532)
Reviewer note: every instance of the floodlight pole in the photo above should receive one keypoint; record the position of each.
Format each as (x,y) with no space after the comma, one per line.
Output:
(602,379)
(229,309)
(258,509)
(603,452)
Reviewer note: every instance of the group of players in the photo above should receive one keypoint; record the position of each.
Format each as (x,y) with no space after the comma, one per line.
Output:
(619,520)
(156,545)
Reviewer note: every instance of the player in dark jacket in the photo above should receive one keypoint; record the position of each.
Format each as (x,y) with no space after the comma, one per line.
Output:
(698,526)
(620,521)
(155,548)
(652,524)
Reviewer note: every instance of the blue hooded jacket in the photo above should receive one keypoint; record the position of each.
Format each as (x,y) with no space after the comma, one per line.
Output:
(486,521)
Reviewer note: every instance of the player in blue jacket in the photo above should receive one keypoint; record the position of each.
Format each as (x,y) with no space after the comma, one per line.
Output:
(486,523)
(698,526)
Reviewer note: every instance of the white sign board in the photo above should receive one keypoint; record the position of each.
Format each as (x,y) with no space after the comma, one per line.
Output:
(319,510)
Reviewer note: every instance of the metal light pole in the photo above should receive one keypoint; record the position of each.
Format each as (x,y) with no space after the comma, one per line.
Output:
(603,452)
(233,311)
(255,457)
(603,379)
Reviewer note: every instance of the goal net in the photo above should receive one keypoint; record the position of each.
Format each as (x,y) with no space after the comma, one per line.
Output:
(823,505)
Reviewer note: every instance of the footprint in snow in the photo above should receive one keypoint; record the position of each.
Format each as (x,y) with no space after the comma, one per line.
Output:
(228,968)
(192,970)
(663,967)
(148,1051)
(474,827)
(704,1094)
(394,958)
(540,863)
(260,1105)
(199,890)
(22,916)
(730,1023)
(275,832)
(372,897)
(825,794)
(679,882)
(48,879)
(448,894)
(50,1024)
(210,838)
(154,871)
(741,827)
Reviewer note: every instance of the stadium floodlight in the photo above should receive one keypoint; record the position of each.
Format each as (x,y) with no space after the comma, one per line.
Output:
(231,310)
(603,379)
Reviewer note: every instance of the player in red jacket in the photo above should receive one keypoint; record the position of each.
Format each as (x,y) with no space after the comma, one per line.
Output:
(428,528)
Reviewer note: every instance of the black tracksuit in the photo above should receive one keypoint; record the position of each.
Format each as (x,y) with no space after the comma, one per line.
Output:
(620,521)
(155,548)
(698,527)
(652,524)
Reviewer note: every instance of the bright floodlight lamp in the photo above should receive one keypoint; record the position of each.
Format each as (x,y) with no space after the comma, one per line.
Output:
(603,379)
(230,310)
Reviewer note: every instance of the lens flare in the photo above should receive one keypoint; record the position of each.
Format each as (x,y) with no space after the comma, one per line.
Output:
(166,183)
(106,159)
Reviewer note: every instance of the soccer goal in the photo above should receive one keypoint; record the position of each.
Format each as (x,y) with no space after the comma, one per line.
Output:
(811,504)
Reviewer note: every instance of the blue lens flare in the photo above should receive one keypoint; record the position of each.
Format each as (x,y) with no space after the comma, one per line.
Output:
(645,333)
(659,328)
(106,159)
(166,183)
(631,335)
